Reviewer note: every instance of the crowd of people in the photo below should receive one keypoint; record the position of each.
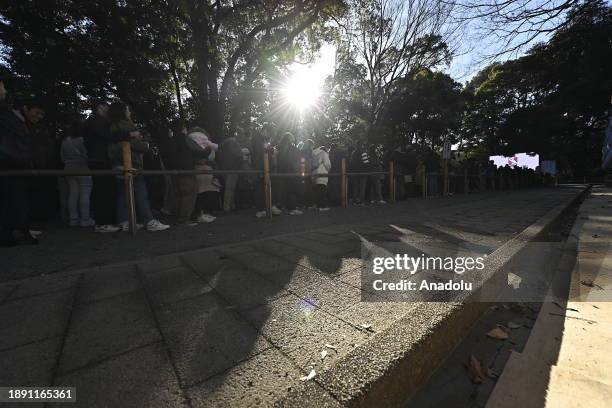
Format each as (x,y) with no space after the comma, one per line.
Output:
(99,201)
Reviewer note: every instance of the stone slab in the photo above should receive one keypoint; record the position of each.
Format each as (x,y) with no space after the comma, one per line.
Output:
(205,338)
(243,288)
(140,378)
(35,318)
(107,283)
(107,328)
(167,286)
(256,382)
(42,285)
(31,365)
(301,330)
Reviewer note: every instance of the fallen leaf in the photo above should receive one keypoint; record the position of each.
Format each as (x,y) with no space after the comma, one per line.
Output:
(591,284)
(497,333)
(475,370)
(323,354)
(310,375)
(367,327)
(595,236)
(514,280)
(494,307)
(490,373)
(514,325)
(330,346)
(596,307)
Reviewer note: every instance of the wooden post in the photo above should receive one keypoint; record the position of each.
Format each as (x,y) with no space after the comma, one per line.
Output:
(126,152)
(343,185)
(446,181)
(267,186)
(391,182)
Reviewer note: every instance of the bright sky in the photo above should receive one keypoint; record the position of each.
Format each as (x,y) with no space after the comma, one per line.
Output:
(321,68)
(462,68)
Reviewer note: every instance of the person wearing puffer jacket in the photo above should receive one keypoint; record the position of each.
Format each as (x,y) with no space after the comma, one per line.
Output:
(321,157)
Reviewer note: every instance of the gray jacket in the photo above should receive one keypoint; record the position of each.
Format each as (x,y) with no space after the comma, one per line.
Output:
(74,154)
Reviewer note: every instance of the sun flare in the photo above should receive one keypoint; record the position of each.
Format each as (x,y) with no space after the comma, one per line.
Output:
(301,91)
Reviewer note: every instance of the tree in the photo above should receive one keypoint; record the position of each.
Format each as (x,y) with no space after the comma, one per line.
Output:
(424,109)
(234,44)
(554,100)
(514,25)
(395,39)
(196,59)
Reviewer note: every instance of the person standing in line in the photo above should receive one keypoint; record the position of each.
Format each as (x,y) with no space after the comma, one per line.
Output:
(307,166)
(97,138)
(180,157)
(208,187)
(337,152)
(74,157)
(321,159)
(121,121)
(358,163)
(259,147)
(373,163)
(289,162)
(230,158)
(15,154)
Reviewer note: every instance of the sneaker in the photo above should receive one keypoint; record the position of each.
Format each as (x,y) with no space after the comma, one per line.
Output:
(107,228)
(324,209)
(88,223)
(155,225)
(382,202)
(260,214)
(125,226)
(206,218)
(295,212)
(35,233)
(276,210)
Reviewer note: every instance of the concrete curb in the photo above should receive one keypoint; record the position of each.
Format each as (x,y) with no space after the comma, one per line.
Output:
(394,364)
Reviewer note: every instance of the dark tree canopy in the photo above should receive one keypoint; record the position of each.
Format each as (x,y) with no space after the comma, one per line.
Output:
(555,100)
(221,64)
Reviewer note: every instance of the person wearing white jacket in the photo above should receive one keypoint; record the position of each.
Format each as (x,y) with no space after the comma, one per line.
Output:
(321,165)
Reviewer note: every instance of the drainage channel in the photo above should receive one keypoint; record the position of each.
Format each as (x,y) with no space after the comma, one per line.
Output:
(468,376)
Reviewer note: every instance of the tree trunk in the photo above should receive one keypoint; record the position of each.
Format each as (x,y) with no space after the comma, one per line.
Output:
(177,89)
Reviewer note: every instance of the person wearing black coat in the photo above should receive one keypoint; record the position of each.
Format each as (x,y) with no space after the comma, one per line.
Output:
(289,162)
(358,162)
(15,154)
(230,158)
(97,139)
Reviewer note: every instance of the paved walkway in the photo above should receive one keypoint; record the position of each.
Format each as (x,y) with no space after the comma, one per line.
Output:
(233,325)
(566,362)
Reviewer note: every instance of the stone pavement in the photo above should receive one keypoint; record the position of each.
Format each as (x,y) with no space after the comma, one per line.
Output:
(566,362)
(236,324)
